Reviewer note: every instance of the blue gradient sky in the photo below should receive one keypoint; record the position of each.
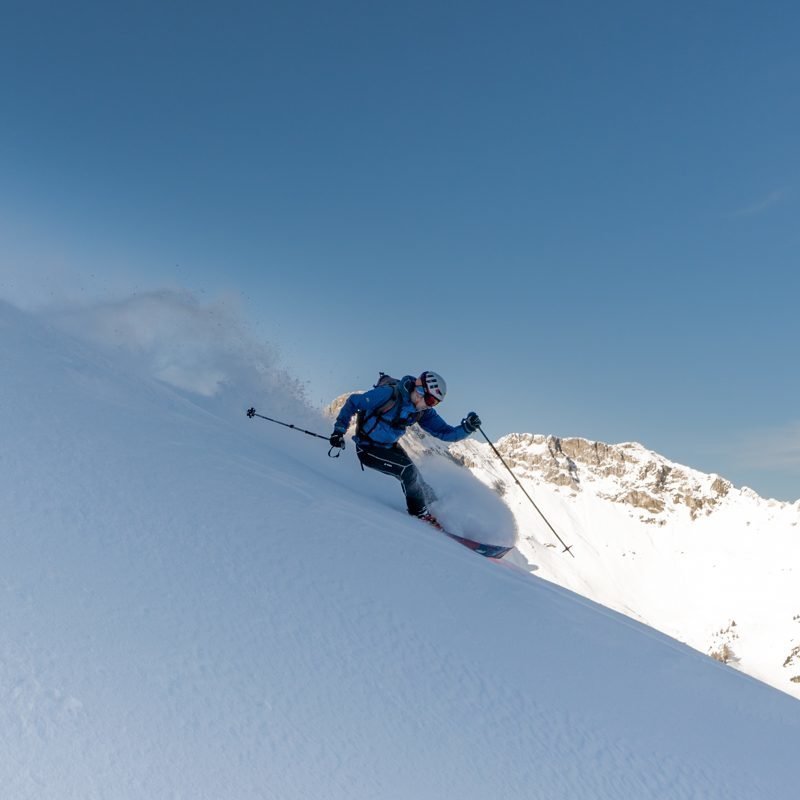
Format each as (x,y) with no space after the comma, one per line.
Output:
(584,215)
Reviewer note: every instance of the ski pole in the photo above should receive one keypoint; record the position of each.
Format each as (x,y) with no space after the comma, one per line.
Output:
(251,412)
(567,549)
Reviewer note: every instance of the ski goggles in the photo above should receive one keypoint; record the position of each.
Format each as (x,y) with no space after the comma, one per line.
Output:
(430,400)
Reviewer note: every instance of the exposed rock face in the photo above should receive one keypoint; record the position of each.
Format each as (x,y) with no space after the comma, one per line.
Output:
(648,502)
(332,410)
(623,473)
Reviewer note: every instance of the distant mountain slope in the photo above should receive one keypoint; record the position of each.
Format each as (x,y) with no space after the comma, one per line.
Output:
(688,553)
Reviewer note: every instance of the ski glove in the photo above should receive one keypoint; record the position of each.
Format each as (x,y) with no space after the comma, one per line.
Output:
(471,422)
(337,439)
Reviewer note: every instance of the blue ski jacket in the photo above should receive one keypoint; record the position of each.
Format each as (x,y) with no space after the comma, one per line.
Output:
(384,430)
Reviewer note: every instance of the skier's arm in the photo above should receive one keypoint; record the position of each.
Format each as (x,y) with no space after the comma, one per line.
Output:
(367,401)
(431,422)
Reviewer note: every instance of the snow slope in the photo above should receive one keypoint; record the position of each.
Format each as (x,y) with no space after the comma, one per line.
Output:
(687,553)
(199,605)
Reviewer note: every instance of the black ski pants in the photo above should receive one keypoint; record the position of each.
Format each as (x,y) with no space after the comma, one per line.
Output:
(395,461)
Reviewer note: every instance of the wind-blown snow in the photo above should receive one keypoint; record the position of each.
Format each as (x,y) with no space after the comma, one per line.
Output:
(200,348)
(200,605)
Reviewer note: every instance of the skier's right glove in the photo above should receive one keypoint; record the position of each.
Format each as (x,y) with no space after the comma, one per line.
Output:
(337,439)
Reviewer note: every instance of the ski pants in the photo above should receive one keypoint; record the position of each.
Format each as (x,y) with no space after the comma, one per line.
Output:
(395,461)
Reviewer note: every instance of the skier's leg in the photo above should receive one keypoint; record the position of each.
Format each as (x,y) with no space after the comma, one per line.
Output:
(417,488)
(395,461)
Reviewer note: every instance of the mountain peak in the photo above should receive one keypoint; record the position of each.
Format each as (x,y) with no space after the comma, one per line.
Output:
(624,473)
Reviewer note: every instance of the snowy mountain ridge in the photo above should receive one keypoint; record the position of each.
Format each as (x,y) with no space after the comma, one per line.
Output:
(625,473)
(681,550)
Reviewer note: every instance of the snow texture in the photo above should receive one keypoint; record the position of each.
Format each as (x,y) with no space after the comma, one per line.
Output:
(199,605)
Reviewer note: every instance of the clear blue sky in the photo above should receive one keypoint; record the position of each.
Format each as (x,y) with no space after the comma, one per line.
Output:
(584,215)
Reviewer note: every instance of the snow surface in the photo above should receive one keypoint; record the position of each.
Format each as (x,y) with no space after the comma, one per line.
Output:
(721,577)
(199,605)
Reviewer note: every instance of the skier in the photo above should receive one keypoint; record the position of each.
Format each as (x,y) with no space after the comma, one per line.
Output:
(383,414)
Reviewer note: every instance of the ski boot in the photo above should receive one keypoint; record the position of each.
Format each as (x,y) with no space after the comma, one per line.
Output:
(426,516)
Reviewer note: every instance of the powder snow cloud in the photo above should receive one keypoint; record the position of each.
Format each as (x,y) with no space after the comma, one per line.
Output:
(205,349)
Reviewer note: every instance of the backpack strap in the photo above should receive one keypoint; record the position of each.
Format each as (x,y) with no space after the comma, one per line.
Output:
(389,404)
(394,400)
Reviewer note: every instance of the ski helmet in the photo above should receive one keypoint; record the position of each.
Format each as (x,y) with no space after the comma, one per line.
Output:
(434,385)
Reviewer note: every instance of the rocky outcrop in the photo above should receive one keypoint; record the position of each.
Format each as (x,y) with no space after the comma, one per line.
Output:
(624,473)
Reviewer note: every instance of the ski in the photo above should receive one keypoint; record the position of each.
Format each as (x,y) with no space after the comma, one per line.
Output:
(488,550)
(495,551)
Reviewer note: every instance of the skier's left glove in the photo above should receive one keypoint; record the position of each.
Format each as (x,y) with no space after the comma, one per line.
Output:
(471,422)
(337,439)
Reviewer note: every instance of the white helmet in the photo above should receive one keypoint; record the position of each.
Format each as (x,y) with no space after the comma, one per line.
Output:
(434,385)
